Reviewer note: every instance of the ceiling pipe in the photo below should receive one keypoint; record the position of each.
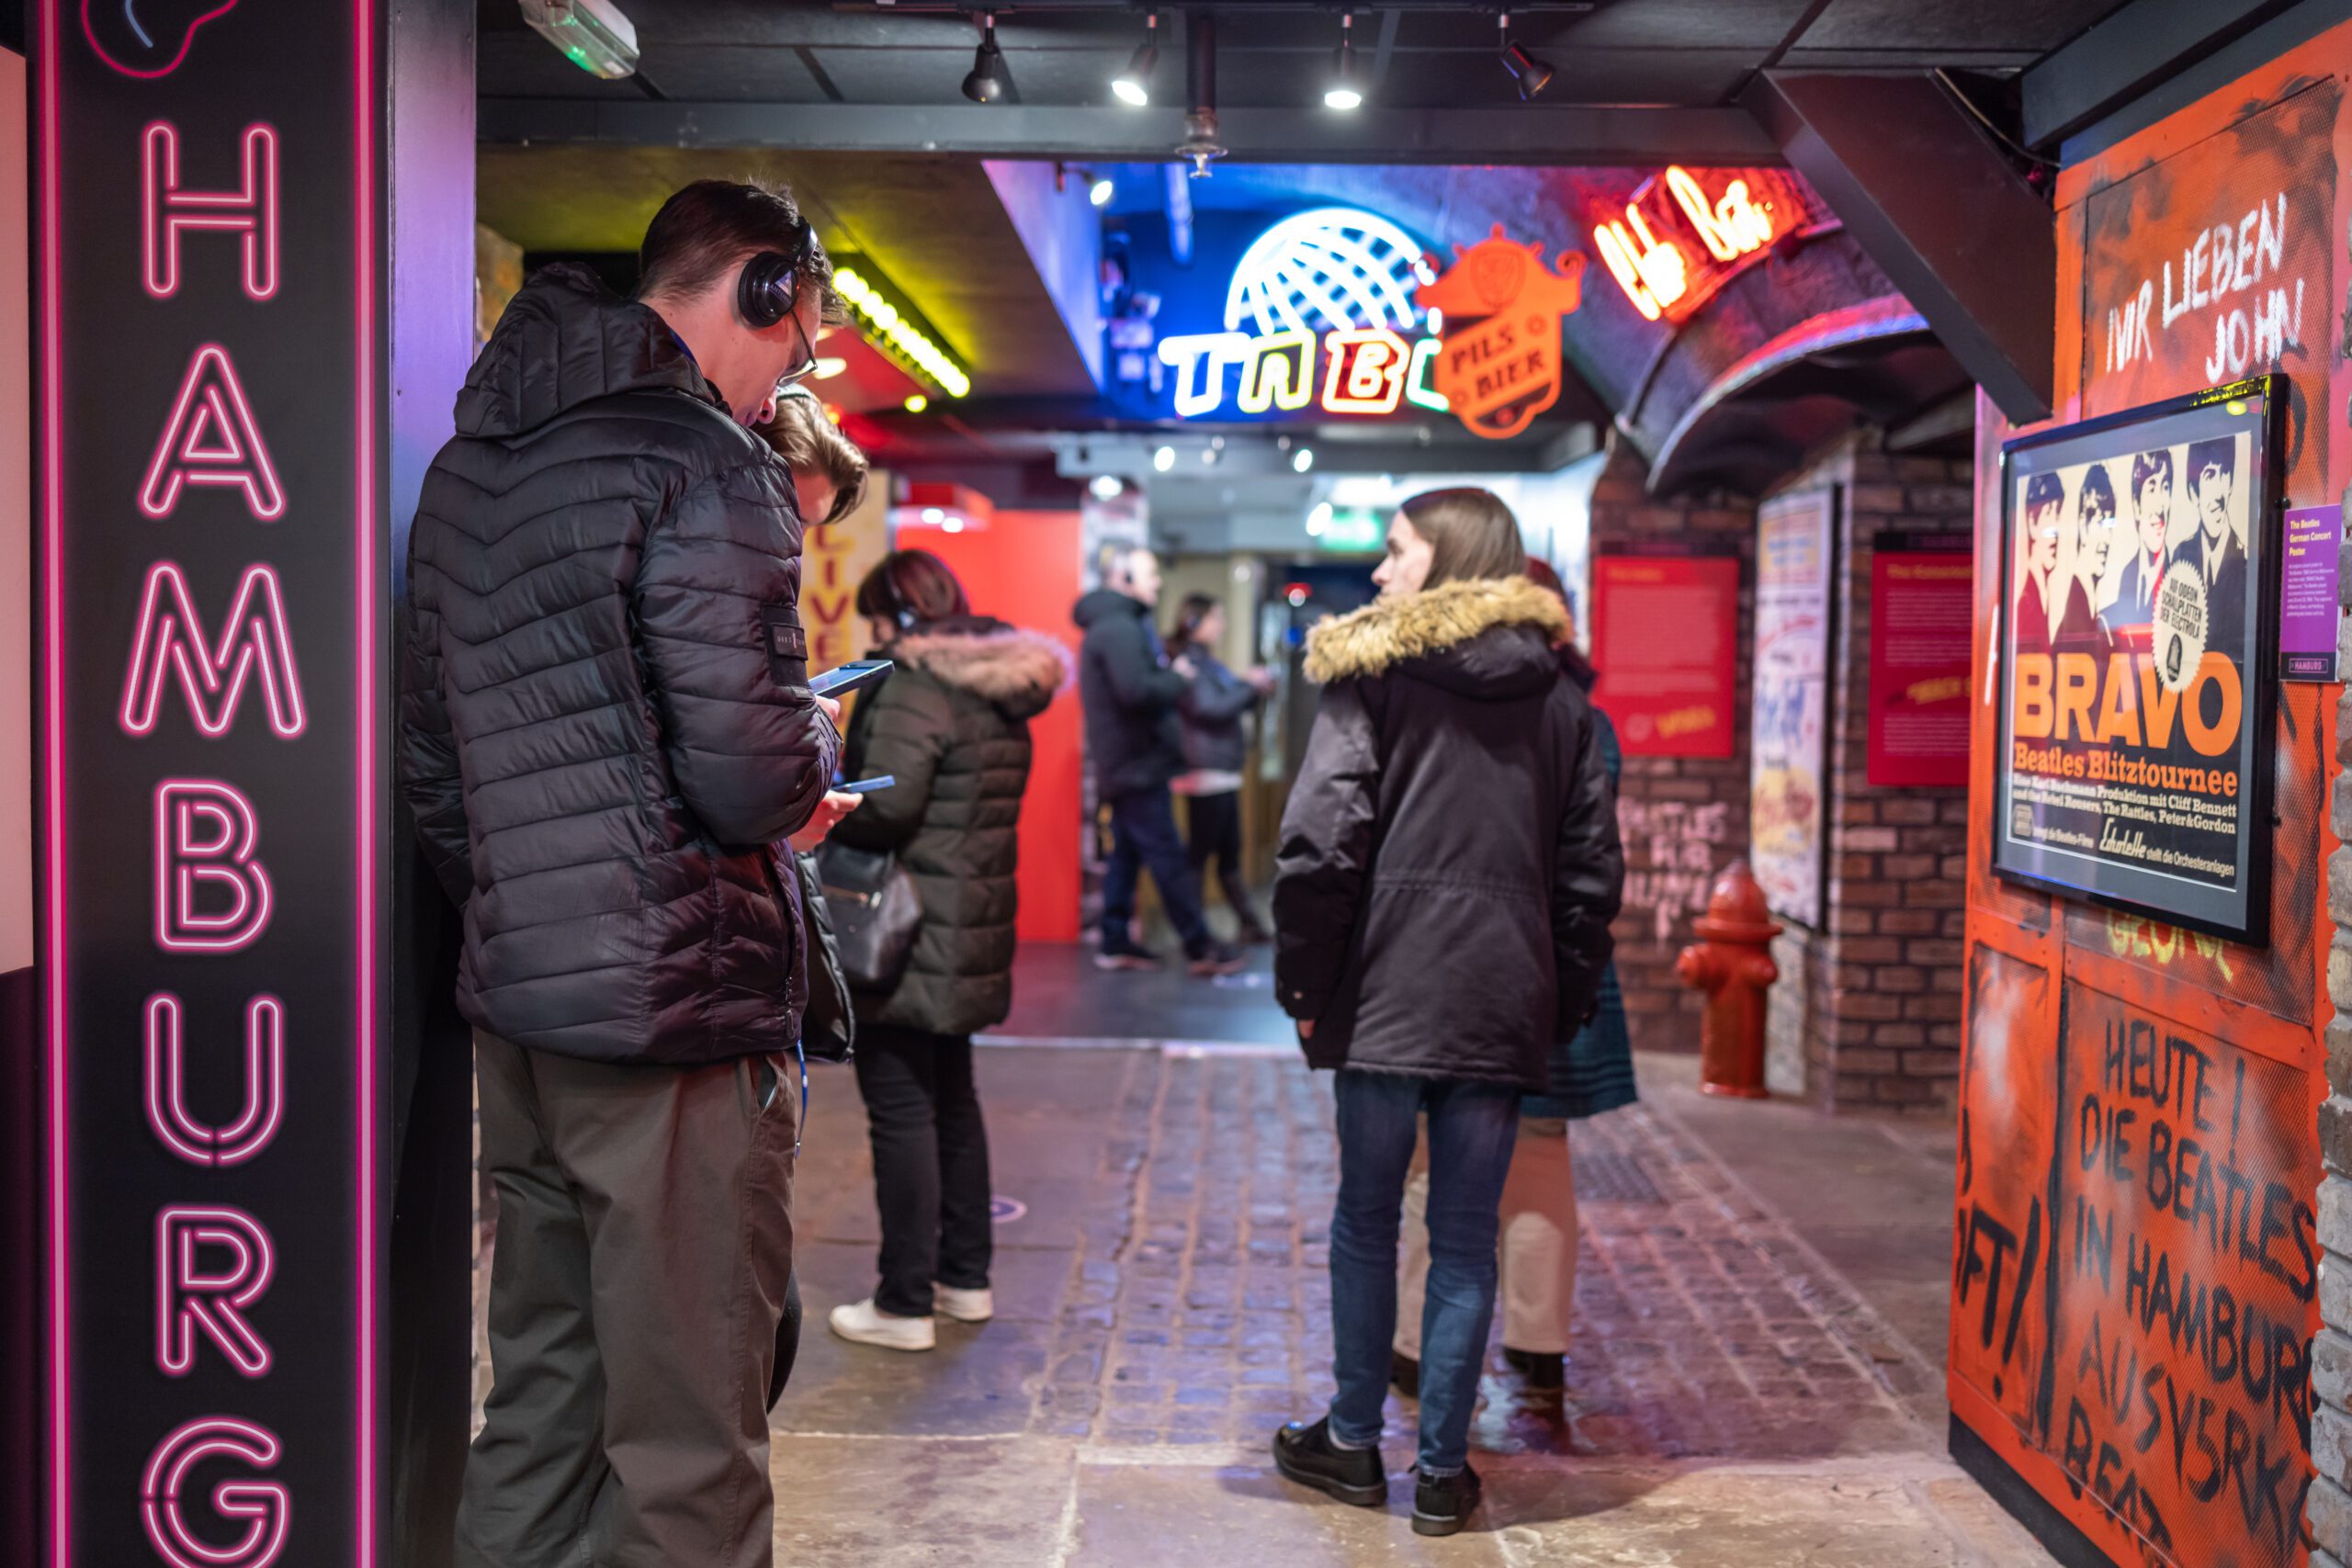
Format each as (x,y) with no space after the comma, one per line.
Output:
(1201,143)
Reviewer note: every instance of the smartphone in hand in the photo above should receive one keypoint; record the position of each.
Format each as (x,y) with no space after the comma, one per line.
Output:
(866,786)
(842,679)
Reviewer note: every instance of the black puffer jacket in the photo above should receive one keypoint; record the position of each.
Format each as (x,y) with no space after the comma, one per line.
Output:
(1449,863)
(606,716)
(952,725)
(1130,695)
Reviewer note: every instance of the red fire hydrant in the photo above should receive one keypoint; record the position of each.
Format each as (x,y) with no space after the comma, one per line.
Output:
(1733,963)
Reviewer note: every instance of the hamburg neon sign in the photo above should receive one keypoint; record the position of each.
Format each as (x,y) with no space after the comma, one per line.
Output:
(1320,309)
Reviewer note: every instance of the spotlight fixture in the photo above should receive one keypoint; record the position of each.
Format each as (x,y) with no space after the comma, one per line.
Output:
(1133,85)
(1529,71)
(593,34)
(986,83)
(1164,459)
(1342,92)
(1106,487)
(1303,459)
(1100,192)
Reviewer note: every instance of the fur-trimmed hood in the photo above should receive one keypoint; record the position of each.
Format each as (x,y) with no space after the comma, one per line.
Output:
(1017,670)
(1484,637)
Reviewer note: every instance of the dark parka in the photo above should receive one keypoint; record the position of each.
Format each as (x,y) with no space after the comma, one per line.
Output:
(952,725)
(1130,695)
(1449,861)
(605,719)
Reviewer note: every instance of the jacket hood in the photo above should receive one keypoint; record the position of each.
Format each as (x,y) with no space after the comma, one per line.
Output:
(1105,603)
(1487,637)
(565,339)
(1017,670)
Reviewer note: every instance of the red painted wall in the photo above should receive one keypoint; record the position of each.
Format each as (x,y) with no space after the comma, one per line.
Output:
(1022,566)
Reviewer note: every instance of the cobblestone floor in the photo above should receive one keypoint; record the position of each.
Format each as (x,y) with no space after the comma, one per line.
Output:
(1164,1305)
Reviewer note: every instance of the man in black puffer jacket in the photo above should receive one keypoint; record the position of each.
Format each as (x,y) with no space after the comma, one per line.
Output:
(605,725)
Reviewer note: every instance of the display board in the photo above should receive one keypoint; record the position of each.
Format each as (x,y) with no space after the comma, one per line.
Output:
(1788,758)
(1920,681)
(213,778)
(1665,639)
(2136,681)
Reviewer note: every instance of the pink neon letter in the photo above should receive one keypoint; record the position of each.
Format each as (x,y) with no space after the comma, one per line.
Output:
(262,1504)
(212,439)
(250,211)
(169,640)
(205,832)
(189,1297)
(167,1113)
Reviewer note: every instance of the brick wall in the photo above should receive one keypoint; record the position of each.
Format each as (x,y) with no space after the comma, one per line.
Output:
(1683,818)
(2328,1508)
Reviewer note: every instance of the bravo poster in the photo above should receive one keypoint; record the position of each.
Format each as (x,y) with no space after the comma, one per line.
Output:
(2135,685)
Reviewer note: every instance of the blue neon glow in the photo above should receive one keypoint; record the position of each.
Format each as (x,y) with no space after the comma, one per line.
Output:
(1328,270)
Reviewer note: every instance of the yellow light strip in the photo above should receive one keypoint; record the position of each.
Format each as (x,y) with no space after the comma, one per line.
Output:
(881,319)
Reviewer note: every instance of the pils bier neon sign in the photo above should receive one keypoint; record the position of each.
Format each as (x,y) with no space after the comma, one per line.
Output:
(1653,270)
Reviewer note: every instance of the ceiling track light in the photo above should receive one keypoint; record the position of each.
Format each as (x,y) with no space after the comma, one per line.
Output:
(1343,93)
(1529,71)
(1133,85)
(986,83)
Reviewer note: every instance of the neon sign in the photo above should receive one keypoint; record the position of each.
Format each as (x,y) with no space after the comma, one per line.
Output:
(1652,268)
(1500,364)
(210,819)
(1333,286)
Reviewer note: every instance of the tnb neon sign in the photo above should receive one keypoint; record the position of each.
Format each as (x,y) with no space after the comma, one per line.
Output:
(1320,309)
(1655,272)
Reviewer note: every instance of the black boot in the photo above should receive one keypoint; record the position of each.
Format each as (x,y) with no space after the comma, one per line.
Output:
(1304,1454)
(1441,1503)
(1537,1369)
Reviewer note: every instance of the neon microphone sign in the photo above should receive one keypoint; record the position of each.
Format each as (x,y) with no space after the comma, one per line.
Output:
(1320,309)
(207,174)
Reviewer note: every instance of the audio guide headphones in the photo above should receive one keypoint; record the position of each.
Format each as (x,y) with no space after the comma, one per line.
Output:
(769,286)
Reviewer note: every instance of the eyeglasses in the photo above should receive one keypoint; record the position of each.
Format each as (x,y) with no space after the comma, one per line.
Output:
(808,364)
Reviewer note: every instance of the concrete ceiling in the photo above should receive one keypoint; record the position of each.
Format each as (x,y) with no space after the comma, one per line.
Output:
(935,226)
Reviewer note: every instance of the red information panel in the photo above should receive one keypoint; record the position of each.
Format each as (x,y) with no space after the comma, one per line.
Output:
(1666,635)
(1920,669)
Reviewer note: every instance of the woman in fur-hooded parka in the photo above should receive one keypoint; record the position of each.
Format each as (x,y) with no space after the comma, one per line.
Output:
(952,725)
(1449,863)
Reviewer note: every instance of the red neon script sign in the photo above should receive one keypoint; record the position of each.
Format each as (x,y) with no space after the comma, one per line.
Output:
(1652,268)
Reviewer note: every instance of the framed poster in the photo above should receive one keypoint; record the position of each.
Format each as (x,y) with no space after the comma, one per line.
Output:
(1921,606)
(1795,553)
(1665,636)
(2139,606)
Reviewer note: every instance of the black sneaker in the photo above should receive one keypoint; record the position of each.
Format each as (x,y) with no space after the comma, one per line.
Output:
(1216,958)
(1537,1369)
(1304,1454)
(1442,1502)
(1404,1374)
(1125,955)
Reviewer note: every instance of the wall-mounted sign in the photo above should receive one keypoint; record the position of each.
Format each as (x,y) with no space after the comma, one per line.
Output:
(1648,243)
(2136,686)
(1319,310)
(1665,639)
(1920,605)
(1500,364)
(2310,571)
(211,776)
(1795,552)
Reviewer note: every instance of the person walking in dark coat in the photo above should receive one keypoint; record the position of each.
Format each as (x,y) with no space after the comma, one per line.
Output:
(1448,871)
(606,724)
(1131,733)
(951,725)
(1217,747)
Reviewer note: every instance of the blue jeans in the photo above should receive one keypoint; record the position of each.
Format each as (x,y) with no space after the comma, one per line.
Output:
(1472,1129)
(1144,836)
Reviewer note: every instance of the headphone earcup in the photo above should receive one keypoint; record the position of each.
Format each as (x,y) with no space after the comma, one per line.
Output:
(767,288)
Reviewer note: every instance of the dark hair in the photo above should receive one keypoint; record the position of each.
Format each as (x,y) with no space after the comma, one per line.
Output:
(2097,492)
(1471,533)
(1196,608)
(1579,668)
(705,229)
(910,586)
(2044,490)
(2146,465)
(810,444)
(2221,452)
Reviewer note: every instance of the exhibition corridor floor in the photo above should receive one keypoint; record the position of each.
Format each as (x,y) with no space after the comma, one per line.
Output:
(1756,1376)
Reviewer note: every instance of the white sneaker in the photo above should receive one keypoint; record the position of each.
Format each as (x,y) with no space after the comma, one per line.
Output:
(963,1307)
(861,1324)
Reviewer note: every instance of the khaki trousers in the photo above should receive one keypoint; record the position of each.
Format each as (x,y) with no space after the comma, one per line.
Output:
(1537,1242)
(644,1241)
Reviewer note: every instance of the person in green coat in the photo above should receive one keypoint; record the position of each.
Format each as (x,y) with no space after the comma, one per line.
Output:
(951,725)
